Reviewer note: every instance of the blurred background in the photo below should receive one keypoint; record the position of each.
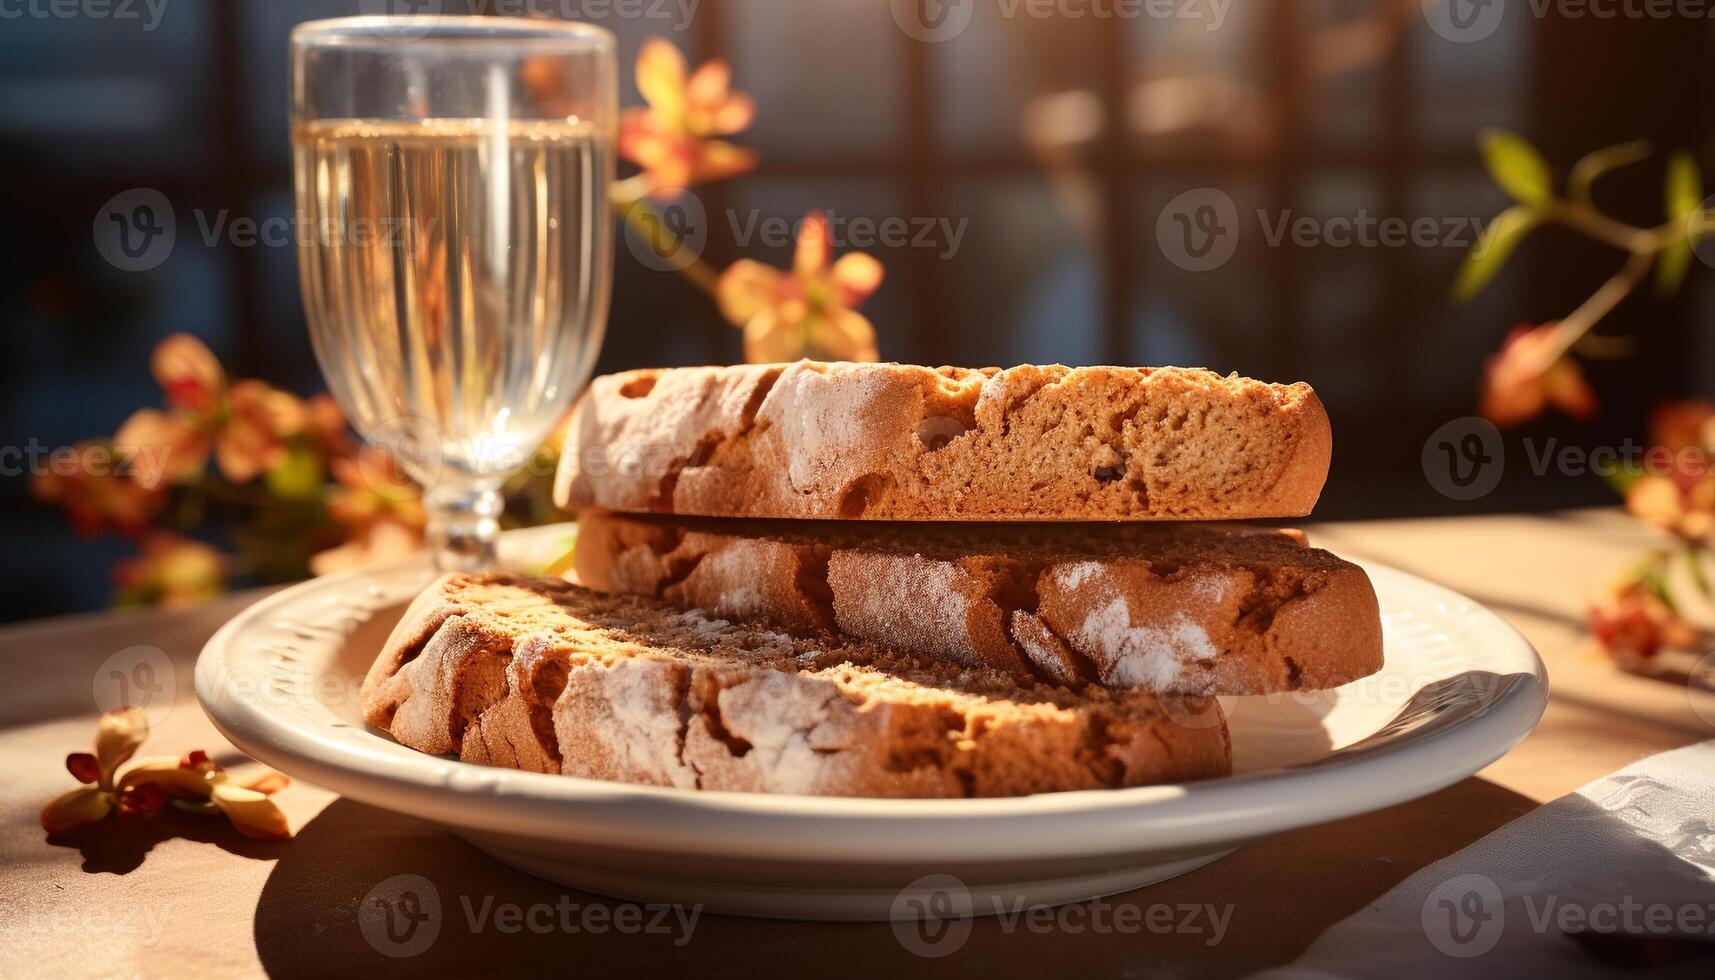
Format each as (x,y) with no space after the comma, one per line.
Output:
(1035,152)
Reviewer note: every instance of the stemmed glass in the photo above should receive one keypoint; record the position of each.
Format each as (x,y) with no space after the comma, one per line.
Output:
(455,245)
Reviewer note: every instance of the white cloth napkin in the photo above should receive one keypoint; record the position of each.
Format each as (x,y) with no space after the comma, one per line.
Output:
(1627,861)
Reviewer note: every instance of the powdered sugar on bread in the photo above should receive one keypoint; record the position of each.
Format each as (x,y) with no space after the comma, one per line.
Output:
(1151,657)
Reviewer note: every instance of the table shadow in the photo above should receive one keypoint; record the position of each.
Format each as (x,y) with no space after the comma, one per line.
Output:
(1282,892)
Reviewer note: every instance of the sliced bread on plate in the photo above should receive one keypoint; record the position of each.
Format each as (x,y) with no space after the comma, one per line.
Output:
(1181,608)
(543,675)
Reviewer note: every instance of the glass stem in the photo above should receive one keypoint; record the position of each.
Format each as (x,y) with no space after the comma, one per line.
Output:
(464,524)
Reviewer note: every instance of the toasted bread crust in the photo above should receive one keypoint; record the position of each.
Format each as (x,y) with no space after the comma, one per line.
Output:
(907,443)
(1181,608)
(542,675)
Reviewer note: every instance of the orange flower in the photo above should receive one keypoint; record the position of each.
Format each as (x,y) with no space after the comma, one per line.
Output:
(243,425)
(324,423)
(1685,430)
(1679,425)
(95,493)
(192,783)
(1529,374)
(172,571)
(381,507)
(1686,510)
(1635,624)
(675,139)
(810,312)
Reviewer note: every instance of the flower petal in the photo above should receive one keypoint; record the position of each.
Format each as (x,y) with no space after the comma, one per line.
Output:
(856,276)
(164,771)
(269,783)
(84,767)
(719,160)
(709,84)
(80,806)
(661,77)
(844,335)
(641,139)
(253,813)
(769,339)
(122,730)
(161,447)
(812,255)
(281,413)
(745,289)
(189,372)
(1564,387)
(733,116)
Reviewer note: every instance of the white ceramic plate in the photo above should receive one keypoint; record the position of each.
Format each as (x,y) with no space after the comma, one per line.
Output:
(1460,687)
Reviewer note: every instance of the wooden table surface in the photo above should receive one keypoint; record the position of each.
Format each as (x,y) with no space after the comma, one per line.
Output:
(189,894)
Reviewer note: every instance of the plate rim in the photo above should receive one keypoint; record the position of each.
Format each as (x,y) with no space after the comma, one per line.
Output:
(1062,824)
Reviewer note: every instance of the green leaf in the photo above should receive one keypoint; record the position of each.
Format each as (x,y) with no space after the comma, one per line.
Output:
(1681,198)
(1684,192)
(1621,476)
(1517,166)
(1699,575)
(1671,267)
(298,475)
(1586,171)
(1492,249)
(1655,583)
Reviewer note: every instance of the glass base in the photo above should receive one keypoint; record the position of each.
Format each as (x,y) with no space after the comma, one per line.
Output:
(464,527)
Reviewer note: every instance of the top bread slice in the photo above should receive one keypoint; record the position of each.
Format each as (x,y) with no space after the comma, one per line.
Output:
(906,443)
(542,675)
(1183,608)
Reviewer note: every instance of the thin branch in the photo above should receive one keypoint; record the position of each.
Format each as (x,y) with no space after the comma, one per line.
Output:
(1605,229)
(1578,323)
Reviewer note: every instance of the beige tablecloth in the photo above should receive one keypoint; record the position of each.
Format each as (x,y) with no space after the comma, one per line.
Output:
(191,896)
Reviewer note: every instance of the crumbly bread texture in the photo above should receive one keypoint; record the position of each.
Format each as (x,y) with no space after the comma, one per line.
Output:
(541,675)
(907,443)
(1173,608)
